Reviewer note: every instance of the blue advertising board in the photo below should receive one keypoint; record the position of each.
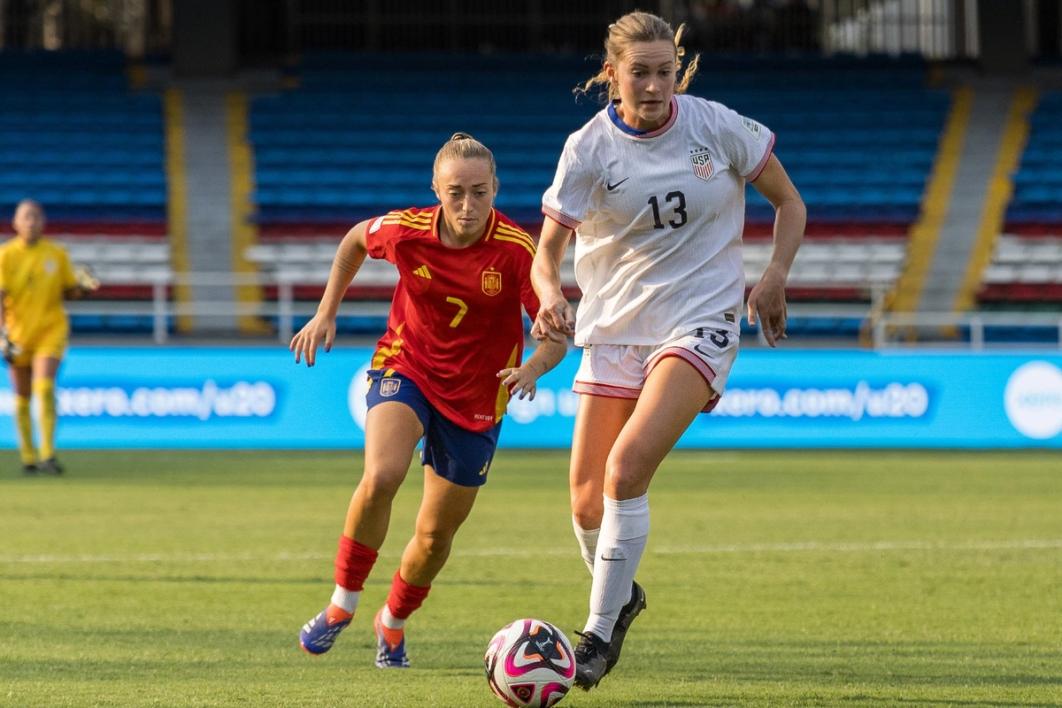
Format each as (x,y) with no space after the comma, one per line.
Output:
(246,397)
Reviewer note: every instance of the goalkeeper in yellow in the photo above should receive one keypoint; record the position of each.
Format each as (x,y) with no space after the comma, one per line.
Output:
(35,276)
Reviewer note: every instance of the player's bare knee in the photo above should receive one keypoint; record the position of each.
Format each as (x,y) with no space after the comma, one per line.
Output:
(627,474)
(434,542)
(588,512)
(380,486)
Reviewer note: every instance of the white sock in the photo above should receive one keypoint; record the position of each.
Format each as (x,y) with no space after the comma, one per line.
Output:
(389,620)
(347,599)
(624,532)
(587,543)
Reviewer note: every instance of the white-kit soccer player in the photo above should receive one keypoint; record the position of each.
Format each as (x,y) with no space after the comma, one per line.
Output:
(653,186)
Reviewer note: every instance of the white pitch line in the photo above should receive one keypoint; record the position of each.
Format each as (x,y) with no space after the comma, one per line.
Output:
(796,547)
(867,546)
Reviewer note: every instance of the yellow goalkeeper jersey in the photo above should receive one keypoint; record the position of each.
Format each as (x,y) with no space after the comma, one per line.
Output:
(33,279)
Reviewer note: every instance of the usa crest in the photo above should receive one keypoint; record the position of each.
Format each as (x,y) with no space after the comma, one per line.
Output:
(389,387)
(491,282)
(701,160)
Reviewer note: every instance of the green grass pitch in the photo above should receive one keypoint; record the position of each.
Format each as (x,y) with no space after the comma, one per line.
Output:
(868,578)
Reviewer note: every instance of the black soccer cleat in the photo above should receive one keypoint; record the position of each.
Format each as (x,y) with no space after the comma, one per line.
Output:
(631,610)
(50,466)
(591,660)
(30,468)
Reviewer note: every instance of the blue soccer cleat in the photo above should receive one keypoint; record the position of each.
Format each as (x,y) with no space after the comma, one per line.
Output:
(390,646)
(319,634)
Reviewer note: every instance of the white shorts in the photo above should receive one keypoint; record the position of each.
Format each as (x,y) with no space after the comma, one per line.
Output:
(620,370)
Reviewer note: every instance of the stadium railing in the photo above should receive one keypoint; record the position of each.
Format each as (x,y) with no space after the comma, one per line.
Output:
(823,322)
(973,330)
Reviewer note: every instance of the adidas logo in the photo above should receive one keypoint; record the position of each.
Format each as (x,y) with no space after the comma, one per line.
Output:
(423,272)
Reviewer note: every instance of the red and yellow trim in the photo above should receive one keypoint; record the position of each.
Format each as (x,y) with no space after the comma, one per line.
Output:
(501,403)
(386,352)
(504,232)
(492,222)
(421,221)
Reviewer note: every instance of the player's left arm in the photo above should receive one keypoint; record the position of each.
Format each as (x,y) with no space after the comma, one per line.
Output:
(767,299)
(522,380)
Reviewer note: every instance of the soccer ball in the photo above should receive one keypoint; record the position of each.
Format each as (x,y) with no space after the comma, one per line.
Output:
(530,663)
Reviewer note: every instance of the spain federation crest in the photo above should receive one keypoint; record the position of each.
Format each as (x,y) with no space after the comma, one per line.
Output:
(491,282)
(701,160)
(389,387)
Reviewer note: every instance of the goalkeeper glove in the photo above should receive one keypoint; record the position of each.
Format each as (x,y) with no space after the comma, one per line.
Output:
(85,279)
(8,349)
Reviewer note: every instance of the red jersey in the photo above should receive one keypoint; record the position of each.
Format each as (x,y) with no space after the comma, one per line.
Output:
(455,318)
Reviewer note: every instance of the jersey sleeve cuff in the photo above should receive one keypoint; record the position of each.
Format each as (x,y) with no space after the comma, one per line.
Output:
(751,176)
(561,218)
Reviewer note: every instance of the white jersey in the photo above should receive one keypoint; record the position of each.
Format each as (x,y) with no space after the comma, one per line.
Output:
(658,218)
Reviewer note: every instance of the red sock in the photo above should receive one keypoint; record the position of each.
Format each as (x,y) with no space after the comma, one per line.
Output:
(353,562)
(405,598)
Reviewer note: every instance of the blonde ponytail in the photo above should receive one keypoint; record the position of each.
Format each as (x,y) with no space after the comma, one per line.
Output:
(464,146)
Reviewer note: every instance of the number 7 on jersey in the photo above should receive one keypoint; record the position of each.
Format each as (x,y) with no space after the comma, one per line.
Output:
(462,308)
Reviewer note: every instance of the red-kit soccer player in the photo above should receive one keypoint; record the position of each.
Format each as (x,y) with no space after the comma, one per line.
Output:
(443,373)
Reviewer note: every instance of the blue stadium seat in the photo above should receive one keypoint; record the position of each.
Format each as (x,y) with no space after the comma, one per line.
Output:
(318,150)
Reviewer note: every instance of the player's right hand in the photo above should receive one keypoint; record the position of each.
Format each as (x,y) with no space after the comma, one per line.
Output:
(304,344)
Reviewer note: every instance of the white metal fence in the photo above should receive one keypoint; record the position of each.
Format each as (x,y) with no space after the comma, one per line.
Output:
(879,329)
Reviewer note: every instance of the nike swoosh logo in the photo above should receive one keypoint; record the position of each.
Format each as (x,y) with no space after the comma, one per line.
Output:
(611,559)
(611,187)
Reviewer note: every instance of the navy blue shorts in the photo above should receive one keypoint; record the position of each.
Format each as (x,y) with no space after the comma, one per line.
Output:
(459,455)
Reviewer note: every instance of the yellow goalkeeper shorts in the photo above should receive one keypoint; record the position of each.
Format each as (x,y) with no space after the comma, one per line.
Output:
(50,343)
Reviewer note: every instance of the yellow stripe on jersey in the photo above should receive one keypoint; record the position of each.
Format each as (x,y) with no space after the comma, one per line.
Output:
(513,230)
(515,239)
(528,243)
(423,216)
(419,226)
(383,353)
(502,402)
(509,231)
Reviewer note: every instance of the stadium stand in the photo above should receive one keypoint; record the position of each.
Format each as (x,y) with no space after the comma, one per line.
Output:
(1026,268)
(75,137)
(356,136)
